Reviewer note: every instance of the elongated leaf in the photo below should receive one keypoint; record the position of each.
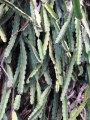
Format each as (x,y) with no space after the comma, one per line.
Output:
(47,77)
(55,105)
(77,10)
(51,11)
(51,53)
(35,113)
(17,102)
(68,77)
(32,92)
(79,42)
(52,3)
(19,11)
(65,109)
(38,91)
(23,63)
(80,108)
(1,10)
(57,86)
(40,49)
(10,73)
(64,28)
(46,42)
(35,53)
(38,110)
(85,23)
(38,17)
(4,100)
(12,39)
(34,71)
(46,20)
(17,71)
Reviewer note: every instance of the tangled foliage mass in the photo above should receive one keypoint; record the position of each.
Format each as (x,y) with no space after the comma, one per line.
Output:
(44,60)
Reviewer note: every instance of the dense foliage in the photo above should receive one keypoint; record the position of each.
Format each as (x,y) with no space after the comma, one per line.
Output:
(44,60)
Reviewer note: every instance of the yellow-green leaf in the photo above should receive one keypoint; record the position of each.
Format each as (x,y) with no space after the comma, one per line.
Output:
(50,10)
(2,35)
(14,115)
(80,108)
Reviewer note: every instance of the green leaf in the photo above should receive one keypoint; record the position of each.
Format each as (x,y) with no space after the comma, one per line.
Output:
(32,91)
(80,70)
(47,77)
(64,28)
(87,45)
(87,92)
(35,113)
(51,53)
(55,105)
(85,23)
(46,42)
(88,72)
(52,3)
(68,76)
(38,90)
(65,109)
(78,41)
(35,53)
(38,17)
(40,106)
(4,101)
(17,102)
(23,63)
(34,71)
(10,73)
(77,10)
(46,20)
(40,49)
(12,39)
(65,46)
(16,9)
(1,10)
